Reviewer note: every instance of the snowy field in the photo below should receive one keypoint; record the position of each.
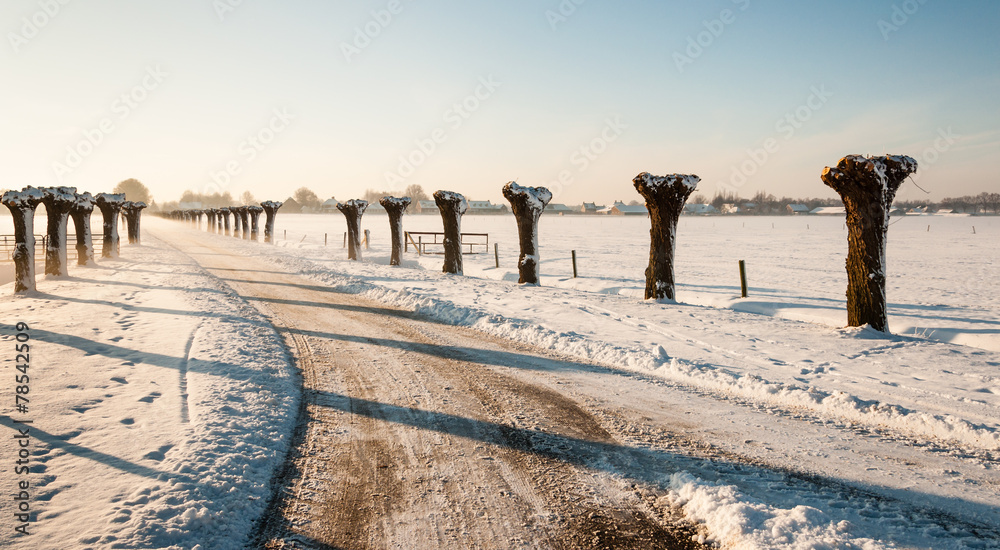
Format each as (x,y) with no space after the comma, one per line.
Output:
(144,443)
(942,283)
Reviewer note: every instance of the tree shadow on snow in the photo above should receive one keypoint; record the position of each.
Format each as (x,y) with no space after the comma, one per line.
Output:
(111,351)
(498,358)
(62,442)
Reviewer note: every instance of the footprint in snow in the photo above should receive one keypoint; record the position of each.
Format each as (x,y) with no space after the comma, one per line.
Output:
(159,454)
(151,397)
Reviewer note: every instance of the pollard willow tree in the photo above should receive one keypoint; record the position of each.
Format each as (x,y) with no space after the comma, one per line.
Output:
(133,216)
(353,210)
(452,206)
(210,214)
(58,201)
(237,221)
(867,186)
(224,227)
(270,212)
(81,211)
(527,203)
(110,205)
(665,197)
(22,206)
(395,207)
(244,214)
(254,212)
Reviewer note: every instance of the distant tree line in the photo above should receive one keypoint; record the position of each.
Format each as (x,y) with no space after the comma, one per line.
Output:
(762,203)
(766,204)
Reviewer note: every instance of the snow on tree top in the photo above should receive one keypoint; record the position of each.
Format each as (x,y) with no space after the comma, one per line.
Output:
(59,194)
(110,198)
(894,167)
(451,196)
(399,201)
(651,181)
(84,200)
(538,197)
(360,204)
(272,204)
(255,208)
(29,196)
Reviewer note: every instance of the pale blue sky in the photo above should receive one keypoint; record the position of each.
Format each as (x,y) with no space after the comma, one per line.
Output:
(607,77)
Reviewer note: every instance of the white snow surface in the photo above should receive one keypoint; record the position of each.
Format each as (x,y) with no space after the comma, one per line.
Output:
(162,403)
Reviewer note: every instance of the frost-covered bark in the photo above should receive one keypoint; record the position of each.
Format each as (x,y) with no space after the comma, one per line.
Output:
(237,221)
(254,212)
(133,215)
(270,211)
(527,203)
(452,206)
(225,212)
(58,201)
(665,197)
(395,206)
(210,216)
(244,213)
(353,210)
(110,205)
(218,220)
(22,206)
(81,212)
(867,186)
(196,218)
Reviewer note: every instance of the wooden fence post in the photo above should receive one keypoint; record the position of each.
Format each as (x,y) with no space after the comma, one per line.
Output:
(743,278)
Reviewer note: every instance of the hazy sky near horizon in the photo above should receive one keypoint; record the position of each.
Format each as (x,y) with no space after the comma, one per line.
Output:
(578,95)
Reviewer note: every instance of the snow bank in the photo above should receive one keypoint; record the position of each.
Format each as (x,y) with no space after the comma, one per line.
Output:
(736,521)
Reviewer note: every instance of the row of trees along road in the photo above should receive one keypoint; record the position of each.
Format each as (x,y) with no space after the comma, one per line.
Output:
(764,203)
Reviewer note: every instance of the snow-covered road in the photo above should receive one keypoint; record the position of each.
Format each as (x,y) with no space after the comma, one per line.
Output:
(463,412)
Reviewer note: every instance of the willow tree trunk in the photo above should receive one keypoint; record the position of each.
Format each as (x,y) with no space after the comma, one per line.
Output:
(270,212)
(133,216)
(254,212)
(210,213)
(225,212)
(237,221)
(22,206)
(245,219)
(452,206)
(867,186)
(395,207)
(353,210)
(219,226)
(81,212)
(665,197)
(58,201)
(527,203)
(110,205)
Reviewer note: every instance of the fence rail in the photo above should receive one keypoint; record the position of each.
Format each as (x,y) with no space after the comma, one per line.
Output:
(474,241)
(7,244)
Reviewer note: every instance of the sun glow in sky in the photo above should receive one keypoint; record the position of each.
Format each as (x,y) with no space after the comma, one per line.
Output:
(578,95)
